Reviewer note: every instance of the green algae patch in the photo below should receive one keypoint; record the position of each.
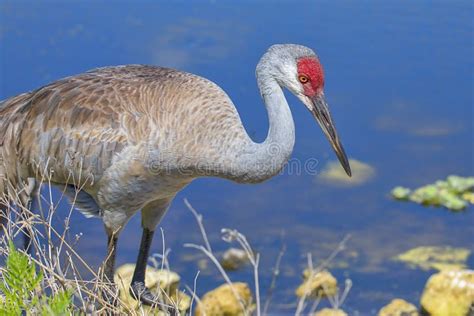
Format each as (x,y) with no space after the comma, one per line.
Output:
(330,312)
(161,282)
(449,293)
(334,174)
(468,196)
(317,284)
(399,307)
(228,299)
(455,193)
(438,258)
(401,193)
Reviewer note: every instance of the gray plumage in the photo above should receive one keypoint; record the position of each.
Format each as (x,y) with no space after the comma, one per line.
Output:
(133,136)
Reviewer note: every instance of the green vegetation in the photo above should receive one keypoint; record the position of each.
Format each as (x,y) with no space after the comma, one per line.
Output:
(439,258)
(22,289)
(454,193)
(334,174)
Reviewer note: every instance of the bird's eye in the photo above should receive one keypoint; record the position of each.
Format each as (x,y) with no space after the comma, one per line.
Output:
(303,78)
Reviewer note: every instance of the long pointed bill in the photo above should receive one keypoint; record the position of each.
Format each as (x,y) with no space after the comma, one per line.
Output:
(320,111)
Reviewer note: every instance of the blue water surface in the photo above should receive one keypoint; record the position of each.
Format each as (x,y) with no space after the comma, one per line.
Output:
(399,78)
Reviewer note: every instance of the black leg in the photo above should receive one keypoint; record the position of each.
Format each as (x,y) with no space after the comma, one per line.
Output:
(25,233)
(151,216)
(143,253)
(137,288)
(110,294)
(3,217)
(28,197)
(109,264)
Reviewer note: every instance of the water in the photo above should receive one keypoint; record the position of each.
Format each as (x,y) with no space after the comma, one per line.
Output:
(399,80)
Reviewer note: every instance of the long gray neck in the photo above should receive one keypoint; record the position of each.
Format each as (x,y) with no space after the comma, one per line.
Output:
(260,161)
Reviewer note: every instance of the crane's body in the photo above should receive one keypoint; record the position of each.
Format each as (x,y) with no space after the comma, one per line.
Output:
(133,136)
(111,130)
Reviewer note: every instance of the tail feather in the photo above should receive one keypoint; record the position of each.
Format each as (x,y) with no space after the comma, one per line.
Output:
(82,201)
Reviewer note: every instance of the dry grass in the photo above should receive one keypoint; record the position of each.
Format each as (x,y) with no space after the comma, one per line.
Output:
(53,252)
(303,305)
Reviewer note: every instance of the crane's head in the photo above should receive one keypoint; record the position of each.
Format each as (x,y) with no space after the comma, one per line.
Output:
(297,68)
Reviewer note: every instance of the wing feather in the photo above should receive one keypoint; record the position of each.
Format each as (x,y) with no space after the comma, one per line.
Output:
(78,124)
(72,124)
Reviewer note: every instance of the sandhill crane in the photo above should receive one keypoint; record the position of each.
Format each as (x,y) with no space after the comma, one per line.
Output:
(138,134)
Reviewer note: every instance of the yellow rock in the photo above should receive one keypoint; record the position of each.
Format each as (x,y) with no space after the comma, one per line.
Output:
(449,293)
(439,258)
(317,284)
(222,302)
(399,307)
(234,258)
(330,312)
(162,283)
